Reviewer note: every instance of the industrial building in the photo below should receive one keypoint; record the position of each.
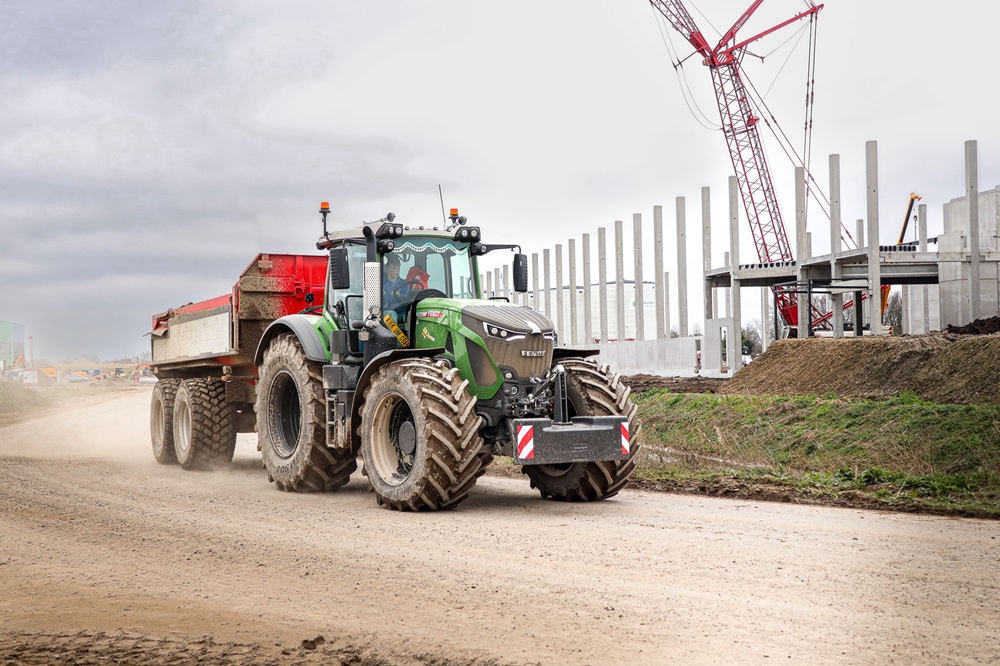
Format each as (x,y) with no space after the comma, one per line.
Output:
(11,344)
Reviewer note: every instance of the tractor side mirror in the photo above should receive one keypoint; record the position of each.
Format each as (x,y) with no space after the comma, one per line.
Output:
(520,273)
(340,273)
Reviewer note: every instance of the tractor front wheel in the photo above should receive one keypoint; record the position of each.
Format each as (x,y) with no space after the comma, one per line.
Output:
(592,391)
(420,436)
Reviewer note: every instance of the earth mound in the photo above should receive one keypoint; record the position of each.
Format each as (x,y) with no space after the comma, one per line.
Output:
(978,327)
(938,367)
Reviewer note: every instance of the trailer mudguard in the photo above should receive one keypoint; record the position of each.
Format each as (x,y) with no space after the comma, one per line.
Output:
(303,328)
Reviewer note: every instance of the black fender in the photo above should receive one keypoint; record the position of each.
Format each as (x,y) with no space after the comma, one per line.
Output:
(365,380)
(302,327)
(560,353)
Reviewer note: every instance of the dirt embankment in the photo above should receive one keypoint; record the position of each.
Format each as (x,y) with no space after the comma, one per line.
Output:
(938,367)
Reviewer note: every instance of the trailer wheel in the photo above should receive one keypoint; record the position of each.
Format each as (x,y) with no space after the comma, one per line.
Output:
(592,391)
(420,436)
(204,425)
(291,422)
(161,421)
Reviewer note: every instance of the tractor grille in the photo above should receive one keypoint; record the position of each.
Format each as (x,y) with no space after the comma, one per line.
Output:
(527,346)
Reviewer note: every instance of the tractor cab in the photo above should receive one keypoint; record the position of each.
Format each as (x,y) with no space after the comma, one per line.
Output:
(383,274)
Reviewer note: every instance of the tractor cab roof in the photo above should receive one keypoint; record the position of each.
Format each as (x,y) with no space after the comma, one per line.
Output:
(337,236)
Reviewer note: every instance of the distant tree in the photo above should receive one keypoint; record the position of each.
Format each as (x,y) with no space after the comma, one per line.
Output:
(894,313)
(675,332)
(751,338)
(696,329)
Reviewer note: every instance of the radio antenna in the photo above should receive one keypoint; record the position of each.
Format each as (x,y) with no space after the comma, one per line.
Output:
(444,220)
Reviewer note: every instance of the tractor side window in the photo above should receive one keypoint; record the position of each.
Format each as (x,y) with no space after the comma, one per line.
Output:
(436,272)
(461,277)
(346,309)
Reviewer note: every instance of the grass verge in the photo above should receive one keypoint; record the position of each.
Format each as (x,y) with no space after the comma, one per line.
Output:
(901,454)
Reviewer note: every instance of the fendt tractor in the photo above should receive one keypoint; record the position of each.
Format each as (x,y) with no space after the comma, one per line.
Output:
(385,347)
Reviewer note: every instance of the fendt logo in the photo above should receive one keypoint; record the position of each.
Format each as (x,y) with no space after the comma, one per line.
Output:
(532,353)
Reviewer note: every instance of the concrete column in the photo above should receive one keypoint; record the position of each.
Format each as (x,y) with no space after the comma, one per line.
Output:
(560,317)
(548,284)
(666,303)
(725,260)
(620,279)
(574,323)
(924,289)
(765,300)
(588,324)
(874,267)
(736,337)
(801,251)
(972,197)
(682,283)
(661,332)
(535,304)
(602,280)
(498,291)
(640,318)
(505,272)
(489,285)
(711,303)
(836,270)
(809,245)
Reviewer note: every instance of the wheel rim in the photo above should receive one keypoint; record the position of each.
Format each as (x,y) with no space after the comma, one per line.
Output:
(286,419)
(182,421)
(393,439)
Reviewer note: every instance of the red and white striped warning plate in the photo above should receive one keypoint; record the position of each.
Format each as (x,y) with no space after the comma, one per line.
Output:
(525,442)
(626,444)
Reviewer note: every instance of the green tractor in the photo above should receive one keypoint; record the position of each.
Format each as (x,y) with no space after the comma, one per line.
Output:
(407,364)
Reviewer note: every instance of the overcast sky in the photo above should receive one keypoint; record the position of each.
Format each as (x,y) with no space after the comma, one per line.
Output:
(149,150)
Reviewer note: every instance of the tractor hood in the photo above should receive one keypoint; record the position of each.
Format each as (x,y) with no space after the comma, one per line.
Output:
(519,340)
(515,320)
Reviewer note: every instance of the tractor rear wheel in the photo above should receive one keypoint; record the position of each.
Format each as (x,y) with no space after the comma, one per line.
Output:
(420,436)
(592,391)
(161,421)
(204,425)
(291,422)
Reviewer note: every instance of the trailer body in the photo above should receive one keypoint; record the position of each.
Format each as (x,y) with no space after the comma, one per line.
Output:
(202,339)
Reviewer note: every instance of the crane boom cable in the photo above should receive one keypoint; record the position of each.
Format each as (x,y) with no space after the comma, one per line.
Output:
(689,99)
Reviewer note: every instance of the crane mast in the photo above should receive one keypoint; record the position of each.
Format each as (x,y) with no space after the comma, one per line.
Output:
(739,125)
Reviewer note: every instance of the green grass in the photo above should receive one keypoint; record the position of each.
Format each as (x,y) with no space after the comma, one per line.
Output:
(903,451)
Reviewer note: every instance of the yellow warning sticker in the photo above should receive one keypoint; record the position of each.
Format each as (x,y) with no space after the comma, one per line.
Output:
(390,323)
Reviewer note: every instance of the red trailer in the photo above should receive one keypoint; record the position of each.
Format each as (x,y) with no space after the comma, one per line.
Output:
(214,342)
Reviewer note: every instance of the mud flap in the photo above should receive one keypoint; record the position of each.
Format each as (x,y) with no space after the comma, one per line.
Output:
(584,439)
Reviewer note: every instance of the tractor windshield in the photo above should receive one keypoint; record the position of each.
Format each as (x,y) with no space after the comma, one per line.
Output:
(418,264)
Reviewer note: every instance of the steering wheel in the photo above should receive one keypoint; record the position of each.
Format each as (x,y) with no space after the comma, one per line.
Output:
(429,293)
(419,286)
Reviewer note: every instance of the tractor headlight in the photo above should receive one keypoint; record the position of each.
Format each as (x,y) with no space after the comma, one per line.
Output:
(501,333)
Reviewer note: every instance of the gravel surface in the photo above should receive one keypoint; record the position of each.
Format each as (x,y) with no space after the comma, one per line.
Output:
(107,557)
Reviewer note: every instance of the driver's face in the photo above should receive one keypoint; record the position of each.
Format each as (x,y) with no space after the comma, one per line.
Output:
(392,271)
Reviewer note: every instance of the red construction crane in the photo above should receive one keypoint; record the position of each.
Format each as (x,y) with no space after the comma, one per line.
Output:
(739,124)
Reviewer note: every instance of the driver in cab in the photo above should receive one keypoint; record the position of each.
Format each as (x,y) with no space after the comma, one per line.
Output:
(394,288)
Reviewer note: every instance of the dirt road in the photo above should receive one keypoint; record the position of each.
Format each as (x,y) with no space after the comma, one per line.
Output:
(106,555)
